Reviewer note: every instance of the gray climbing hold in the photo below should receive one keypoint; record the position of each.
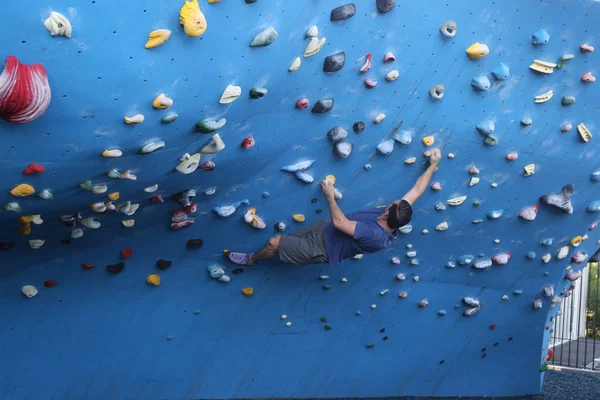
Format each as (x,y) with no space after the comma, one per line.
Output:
(45,194)
(594,206)
(437,92)
(491,140)
(476,221)
(265,38)
(304,177)
(208,126)
(334,62)
(12,206)
(113,173)
(385,6)
(169,118)
(481,83)
(280,226)
(442,312)
(257,93)
(517,292)
(530,255)
(322,106)
(337,134)
(448,29)
(501,72)
(368,166)
(495,214)
(386,147)
(482,264)
(568,100)
(403,137)
(486,127)
(563,60)
(476,202)
(561,200)
(343,12)
(540,37)
(526,121)
(343,149)
(440,206)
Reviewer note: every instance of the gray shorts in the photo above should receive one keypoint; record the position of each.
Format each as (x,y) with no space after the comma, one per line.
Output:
(305,246)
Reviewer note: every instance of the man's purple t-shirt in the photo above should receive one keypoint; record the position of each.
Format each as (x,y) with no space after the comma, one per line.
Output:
(369,236)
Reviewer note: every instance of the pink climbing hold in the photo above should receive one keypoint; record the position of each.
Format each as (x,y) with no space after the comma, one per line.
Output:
(34,169)
(436,186)
(389,57)
(473,170)
(248,143)
(400,276)
(588,77)
(157,199)
(367,65)
(501,258)
(423,303)
(566,127)
(207,165)
(182,224)
(402,295)
(586,48)
(191,209)
(302,103)
(579,257)
(24,91)
(530,212)
(370,84)
(87,265)
(512,156)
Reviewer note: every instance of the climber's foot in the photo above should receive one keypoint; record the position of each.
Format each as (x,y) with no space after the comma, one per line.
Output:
(240,258)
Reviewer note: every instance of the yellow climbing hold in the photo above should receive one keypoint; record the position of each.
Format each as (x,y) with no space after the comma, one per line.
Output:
(26,219)
(25,229)
(157,37)
(112,153)
(543,66)
(248,291)
(192,19)
(411,160)
(584,132)
(428,140)
(542,98)
(529,170)
(254,220)
(114,196)
(298,217)
(331,178)
(136,119)
(162,102)
(576,241)
(128,223)
(153,280)
(22,190)
(457,201)
(477,50)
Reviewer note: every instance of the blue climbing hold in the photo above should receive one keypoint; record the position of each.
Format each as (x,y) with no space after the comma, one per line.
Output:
(486,127)
(594,206)
(265,194)
(450,264)
(595,176)
(495,214)
(547,242)
(501,72)
(517,292)
(403,137)
(481,83)
(540,37)
(465,259)
(530,255)
(442,312)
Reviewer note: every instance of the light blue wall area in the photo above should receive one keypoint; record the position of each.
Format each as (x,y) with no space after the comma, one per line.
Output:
(99,336)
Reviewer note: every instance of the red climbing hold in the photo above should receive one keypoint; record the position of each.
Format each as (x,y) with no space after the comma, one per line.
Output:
(493,326)
(208,165)
(157,199)
(367,65)
(126,253)
(49,283)
(191,209)
(550,354)
(87,265)
(302,103)
(34,169)
(248,143)
(177,225)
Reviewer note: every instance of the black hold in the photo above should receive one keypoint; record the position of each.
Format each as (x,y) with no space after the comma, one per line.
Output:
(442,361)
(163,264)
(194,243)
(185,198)
(115,268)
(322,106)
(313,200)
(561,200)
(237,271)
(334,62)
(483,350)
(483,355)
(358,126)
(496,344)
(337,134)
(327,327)
(318,211)
(257,93)
(5,246)
(70,220)
(385,338)
(326,287)
(382,330)
(66,241)
(251,1)
(323,318)
(385,6)
(510,339)
(343,12)
(343,149)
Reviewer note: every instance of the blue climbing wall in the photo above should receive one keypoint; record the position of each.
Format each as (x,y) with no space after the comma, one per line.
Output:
(96,335)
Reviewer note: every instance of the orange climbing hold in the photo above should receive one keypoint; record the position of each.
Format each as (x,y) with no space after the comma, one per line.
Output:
(248,291)
(588,77)
(22,190)
(512,156)
(153,280)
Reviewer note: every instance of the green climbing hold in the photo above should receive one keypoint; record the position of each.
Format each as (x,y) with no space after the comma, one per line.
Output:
(265,38)
(323,319)
(567,100)
(169,118)
(151,147)
(45,194)
(12,206)
(563,60)
(490,140)
(327,327)
(87,185)
(208,126)
(370,345)
(476,202)
(113,173)
(326,287)
(544,367)
(257,93)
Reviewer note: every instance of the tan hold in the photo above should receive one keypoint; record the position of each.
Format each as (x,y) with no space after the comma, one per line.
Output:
(409,161)
(136,119)
(162,102)
(298,217)
(128,223)
(543,66)
(542,98)
(295,64)
(314,46)
(529,170)
(584,132)
(457,201)
(379,118)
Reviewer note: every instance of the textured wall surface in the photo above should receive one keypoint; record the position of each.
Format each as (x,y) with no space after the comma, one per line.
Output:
(101,336)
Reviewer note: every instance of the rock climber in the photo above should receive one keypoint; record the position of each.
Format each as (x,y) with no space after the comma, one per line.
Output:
(344,236)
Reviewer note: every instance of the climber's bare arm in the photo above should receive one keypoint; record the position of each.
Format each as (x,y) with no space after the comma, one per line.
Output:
(421,184)
(337,216)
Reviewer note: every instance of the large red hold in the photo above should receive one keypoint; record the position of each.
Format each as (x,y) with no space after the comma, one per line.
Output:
(24,91)
(34,169)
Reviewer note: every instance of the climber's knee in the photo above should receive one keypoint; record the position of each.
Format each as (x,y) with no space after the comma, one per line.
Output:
(273,243)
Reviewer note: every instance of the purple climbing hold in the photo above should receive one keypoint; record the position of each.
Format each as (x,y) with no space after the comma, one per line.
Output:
(561,200)
(343,12)
(322,106)
(385,6)
(334,62)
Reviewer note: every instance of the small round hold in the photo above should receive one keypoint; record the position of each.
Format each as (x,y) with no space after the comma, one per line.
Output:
(302,103)
(170,337)
(496,241)
(423,303)
(368,166)
(402,295)
(197,312)
(392,75)
(425,232)
(265,194)
(409,246)
(437,92)
(373,306)
(505,297)
(494,185)
(526,121)
(448,29)
(288,324)
(416,278)
(318,211)
(400,277)
(344,280)
(284,316)
(358,126)
(566,127)
(313,200)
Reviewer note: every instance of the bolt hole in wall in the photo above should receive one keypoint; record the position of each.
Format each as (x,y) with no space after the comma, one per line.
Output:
(153,180)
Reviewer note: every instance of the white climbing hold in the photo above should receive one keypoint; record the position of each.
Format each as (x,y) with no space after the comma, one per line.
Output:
(379,118)
(295,64)
(425,231)
(230,94)
(373,306)
(90,223)
(546,258)
(344,280)
(442,227)
(188,163)
(384,292)
(112,153)
(542,98)
(151,189)
(494,185)
(288,324)
(29,291)
(456,201)
(392,75)
(529,170)
(314,46)
(128,223)
(99,207)
(58,24)
(563,252)
(312,32)
(505,297)
(136,119)
(474,181)
(36,243)
(358,257)
(450,155)
(299,166)
(304,177)
(76,233)
(215,145)
(386,147)
(99,189)
(496,241)
(284,317)
(406,229)
(416,278)
(127,174)
(395,260)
